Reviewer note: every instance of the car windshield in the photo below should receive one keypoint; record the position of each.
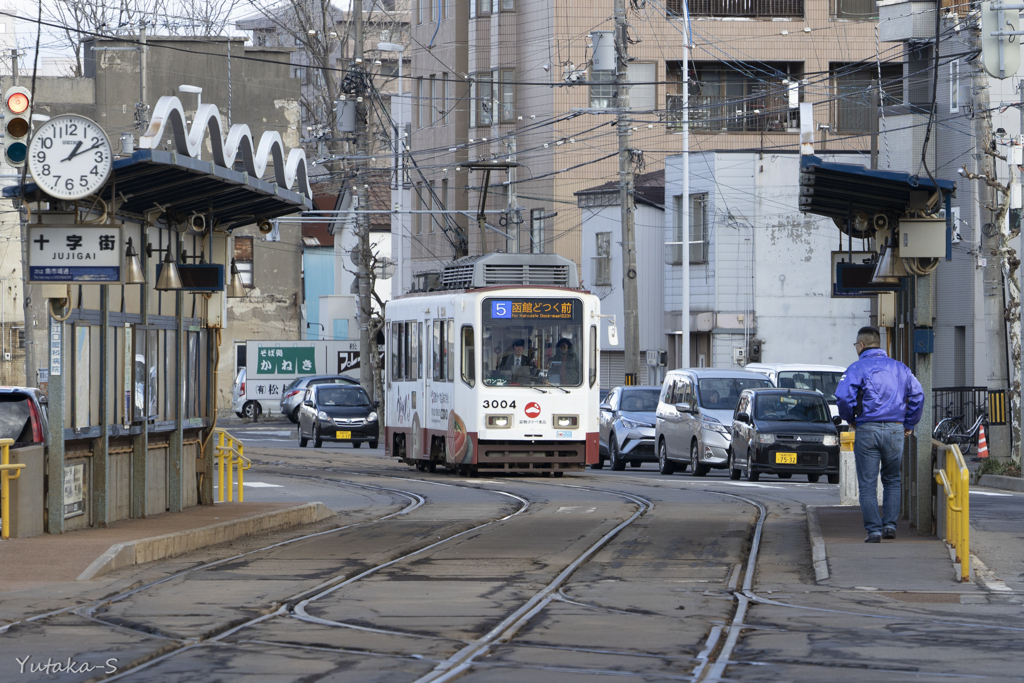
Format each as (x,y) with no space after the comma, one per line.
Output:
(15,418)
(722,393)
(342,396)
(824,382)
(772,407)
(640,400)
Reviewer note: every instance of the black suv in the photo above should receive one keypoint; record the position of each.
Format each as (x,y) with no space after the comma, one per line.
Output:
(338,412)
(784,432)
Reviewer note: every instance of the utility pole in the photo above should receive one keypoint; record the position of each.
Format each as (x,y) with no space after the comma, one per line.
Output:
(144,104)
(14,66)
(512,212)
(630,303)
(367,345)
(684,308)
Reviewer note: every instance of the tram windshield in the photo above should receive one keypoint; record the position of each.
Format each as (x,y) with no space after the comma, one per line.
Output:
(533,342)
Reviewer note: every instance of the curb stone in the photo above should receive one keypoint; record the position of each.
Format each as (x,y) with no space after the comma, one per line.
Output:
(162,547)
(998,481)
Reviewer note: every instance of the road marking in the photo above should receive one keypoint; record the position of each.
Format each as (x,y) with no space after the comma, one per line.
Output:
(262,485)
(987,493)
(575,508)
(269,432)
(746,483)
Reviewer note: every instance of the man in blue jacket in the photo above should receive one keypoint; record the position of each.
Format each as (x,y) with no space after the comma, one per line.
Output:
(883,400)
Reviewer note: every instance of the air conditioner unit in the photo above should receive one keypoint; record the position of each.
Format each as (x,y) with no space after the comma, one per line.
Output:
(739,355)
(7,356)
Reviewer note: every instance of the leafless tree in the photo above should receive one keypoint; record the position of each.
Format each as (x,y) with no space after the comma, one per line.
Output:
(82,19)
(198,17)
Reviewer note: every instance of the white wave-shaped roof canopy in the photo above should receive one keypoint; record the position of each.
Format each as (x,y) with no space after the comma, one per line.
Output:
(289,173)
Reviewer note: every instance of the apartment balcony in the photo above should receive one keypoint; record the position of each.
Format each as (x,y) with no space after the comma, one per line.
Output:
(751,9)
(715,114)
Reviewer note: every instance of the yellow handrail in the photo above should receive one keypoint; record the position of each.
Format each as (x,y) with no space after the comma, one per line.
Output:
(955,478)
(6,476)
(230,452)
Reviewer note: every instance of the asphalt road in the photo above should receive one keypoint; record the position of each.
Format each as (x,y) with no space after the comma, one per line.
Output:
(596,575)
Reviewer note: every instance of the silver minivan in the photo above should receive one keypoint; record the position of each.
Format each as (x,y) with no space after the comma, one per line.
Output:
(694,418)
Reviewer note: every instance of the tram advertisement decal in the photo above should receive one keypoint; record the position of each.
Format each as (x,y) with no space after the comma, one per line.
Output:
(533,309)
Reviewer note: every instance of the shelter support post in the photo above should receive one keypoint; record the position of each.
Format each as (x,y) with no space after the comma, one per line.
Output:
(175,452)
(140,442)
(922,516)
(99,481)
(55,416)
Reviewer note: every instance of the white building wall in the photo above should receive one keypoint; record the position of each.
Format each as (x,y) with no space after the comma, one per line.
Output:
(769,270)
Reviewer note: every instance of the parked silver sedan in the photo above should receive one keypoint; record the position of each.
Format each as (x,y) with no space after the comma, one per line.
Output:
(627,420)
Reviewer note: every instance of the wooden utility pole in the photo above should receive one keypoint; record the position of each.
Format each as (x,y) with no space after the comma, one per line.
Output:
(630,303)
(367,345)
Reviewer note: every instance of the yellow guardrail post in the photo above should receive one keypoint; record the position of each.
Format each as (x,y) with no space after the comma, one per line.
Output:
(8,472)
(954,477)
(230,454)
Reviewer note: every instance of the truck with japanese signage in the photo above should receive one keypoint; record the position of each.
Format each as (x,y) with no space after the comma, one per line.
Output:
(272,365)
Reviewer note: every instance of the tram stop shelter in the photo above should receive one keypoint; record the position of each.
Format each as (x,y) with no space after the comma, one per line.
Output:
(129,369)
(845,192)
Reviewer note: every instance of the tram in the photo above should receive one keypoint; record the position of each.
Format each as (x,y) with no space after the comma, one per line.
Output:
(495,371)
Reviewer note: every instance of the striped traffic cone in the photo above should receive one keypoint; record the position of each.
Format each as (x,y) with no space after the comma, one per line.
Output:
(982,443)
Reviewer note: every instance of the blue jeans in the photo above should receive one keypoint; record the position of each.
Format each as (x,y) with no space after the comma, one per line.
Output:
(879,444)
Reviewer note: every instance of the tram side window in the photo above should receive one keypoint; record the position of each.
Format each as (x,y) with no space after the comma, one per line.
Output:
(450,360)
(593,354)
(437,374)
(403,351)
(468,356)
(419,347)
(394,351)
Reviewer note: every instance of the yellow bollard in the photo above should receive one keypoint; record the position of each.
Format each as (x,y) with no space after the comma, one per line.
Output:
(220,467)
(241,462)
(5,490)
(231,469)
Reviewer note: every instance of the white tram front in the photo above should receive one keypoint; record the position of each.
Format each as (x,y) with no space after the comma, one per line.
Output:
(489,376)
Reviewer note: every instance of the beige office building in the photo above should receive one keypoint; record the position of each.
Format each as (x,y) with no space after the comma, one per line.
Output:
(515,80)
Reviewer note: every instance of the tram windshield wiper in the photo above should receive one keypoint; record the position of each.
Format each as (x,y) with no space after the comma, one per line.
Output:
(564,391)
(540,390)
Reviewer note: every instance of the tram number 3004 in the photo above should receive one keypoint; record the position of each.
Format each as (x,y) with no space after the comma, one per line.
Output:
(499,404)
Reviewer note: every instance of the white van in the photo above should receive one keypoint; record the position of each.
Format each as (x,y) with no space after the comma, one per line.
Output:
(821,378)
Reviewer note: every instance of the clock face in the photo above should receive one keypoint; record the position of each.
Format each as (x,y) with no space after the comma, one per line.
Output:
(69,157)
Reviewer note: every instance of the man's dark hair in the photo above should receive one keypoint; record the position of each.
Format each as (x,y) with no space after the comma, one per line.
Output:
(870,337)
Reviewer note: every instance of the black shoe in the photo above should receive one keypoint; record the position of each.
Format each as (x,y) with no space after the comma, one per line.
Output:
(873,538)
(889,532)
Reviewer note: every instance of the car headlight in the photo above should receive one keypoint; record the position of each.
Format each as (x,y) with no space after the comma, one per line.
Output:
(715,425)
(323,416)
(372,417)
(766,438)
(830,440)
(633,424)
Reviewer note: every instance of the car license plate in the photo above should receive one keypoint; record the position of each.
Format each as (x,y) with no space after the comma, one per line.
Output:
(785,458)
(348,435)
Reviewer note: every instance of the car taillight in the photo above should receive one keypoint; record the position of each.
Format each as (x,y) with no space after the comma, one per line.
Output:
(241,389)
(291,393)
(37,424)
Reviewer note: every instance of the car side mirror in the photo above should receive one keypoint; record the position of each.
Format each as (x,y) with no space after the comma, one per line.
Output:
(837,421)
(684,408)
(307,403)
(376,404)
(743,417)
(604,406)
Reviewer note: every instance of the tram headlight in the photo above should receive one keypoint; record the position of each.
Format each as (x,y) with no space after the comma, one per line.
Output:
(567,421)
(499,421)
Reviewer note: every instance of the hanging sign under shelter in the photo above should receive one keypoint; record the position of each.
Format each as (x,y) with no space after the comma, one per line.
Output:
(75,254)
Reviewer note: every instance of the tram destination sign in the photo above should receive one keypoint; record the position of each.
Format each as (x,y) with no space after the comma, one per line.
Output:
(534,309)
(75,254)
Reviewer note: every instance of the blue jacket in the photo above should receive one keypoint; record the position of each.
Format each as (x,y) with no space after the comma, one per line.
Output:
(891,392)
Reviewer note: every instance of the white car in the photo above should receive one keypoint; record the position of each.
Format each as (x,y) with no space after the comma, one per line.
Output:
(821,378)
(243,408)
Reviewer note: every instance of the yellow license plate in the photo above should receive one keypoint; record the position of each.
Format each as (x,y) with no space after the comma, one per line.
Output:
(785,458)
(348,435)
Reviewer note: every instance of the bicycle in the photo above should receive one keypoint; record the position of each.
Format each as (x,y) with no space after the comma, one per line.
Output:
(951,430)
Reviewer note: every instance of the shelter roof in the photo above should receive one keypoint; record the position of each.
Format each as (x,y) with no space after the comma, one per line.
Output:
(184,185)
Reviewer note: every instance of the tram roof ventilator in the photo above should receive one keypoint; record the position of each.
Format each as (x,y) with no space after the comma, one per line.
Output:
(508,270)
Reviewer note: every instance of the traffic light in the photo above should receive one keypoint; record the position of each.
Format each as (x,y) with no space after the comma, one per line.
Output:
(17,124)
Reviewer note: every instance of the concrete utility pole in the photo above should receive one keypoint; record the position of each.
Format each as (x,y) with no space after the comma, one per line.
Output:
(367,345)
(630,303)
(14,66)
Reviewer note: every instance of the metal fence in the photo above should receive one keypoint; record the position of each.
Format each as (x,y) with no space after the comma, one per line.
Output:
(760,113)
(738,8)
(968,402)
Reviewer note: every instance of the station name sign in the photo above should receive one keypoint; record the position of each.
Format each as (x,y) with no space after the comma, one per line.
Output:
(75,254)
